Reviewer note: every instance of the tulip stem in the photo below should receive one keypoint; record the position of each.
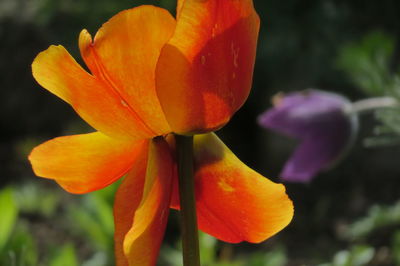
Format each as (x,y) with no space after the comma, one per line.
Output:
(190,237)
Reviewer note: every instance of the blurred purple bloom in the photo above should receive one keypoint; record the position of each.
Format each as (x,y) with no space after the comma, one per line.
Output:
(320,121)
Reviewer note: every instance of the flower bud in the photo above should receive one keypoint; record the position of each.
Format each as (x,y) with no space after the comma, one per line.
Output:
(320,122)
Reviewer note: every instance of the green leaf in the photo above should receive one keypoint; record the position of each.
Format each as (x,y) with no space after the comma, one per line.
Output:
(275,257)
(9,213)
(64,257)
(362,255)
(367,63)
(208,246)
(358,255)
(378,217)
(35,199)
(396,248)
(93,218)
(21,249)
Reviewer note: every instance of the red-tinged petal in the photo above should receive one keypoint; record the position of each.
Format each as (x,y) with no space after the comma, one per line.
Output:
(143,224)
(127,200)
(124,54)
(87,162)
(204,73)
(235,203)
(93,100)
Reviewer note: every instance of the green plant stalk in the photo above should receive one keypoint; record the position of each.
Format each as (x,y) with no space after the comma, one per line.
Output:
(190,235)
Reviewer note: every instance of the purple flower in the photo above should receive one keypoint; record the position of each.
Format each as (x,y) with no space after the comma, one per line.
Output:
(322,123)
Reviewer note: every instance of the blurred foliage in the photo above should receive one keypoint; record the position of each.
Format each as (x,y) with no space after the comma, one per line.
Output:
(21,249)
(367,63)
(92,218)
(9,214)
(356,256)
(214,253)
(388,132)
(396,248)
(85,238)
(378,217)
(34,200)
(371,65)
(357,233)
(89,220)
(64,256)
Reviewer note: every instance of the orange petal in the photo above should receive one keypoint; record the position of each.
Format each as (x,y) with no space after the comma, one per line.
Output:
(204,73)
(104,109)
(127,200)
(87,162)
(235,203)
(124,55)
(179,4)
(144,228)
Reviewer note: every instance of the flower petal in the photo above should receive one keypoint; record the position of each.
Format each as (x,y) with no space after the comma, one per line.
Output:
(144,228)
(58,72)
(87,162)
(179,4)
(298,113)
(127,200)
(124,55)
(319,120)
(204,73)
(314,153)
(321,149)
(234,203)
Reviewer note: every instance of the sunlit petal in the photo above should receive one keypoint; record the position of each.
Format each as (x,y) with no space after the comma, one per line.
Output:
(235,203)
(205,71)
(58,72)
(124,54)
(87,162)
(127,200)
(144,228)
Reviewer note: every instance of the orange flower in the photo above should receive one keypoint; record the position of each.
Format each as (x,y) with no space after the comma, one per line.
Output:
(151,75)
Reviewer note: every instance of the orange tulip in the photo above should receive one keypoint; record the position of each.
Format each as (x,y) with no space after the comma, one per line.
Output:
(152,75)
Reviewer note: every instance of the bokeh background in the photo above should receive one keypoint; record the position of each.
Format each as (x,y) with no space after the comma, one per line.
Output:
(349,215)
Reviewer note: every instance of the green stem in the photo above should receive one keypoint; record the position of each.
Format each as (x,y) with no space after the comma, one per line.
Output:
(190,237)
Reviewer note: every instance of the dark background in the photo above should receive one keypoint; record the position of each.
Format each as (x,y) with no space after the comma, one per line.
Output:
(298,47)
